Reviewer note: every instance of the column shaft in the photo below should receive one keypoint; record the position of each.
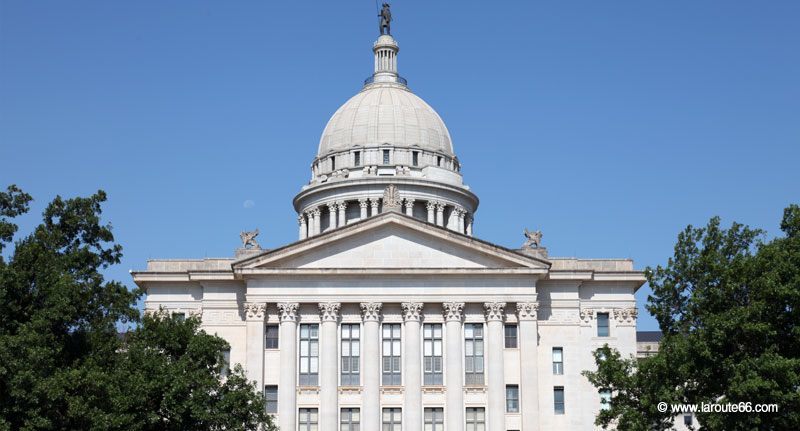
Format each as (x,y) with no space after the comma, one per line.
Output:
(454,377)
(529,368)
(497,386)
(371,371)
(439,214)
(431,207)
(342,213)
(363,205)
(412,367)
(332,216)
(255,312)
(329,367)
(287,383)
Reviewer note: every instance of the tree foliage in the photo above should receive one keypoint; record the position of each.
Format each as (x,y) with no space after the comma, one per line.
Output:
(62,363)
(729,307)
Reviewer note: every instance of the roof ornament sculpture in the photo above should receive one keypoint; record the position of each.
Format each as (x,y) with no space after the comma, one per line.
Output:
(249,240)
(391,198)
(532,239)
(384,25)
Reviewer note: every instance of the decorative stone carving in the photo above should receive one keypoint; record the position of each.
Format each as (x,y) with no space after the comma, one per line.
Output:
(255,310)
(411,310)
(453,310)
(329,311)
(587,314)
(288,311)
(495,310)
(391,198)
(527,310)
(196,312)
(626,316)
(363,203)
(532,239)
(430,205)
(249,239)
(371,311)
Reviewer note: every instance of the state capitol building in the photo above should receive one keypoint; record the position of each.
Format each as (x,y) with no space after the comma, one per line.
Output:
(387,313)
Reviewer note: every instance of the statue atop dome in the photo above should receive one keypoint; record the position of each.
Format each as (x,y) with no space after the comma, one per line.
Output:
(384,25)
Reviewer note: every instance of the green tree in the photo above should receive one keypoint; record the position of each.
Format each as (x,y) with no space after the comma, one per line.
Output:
(60,355)
(729,307)
(175,378)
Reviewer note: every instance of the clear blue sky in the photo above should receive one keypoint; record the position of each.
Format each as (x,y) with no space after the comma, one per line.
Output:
(609,125)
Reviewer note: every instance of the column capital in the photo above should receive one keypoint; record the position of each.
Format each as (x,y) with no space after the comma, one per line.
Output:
(440,206)
(626,316)
(495,310)
(315,212)
(329,311)
(411,311)
(453,310)
(527,310)
(363,202)
(342,205)
(301,219)
(288,311)
(332,206)
(255,310)
(371,311)
(430,205)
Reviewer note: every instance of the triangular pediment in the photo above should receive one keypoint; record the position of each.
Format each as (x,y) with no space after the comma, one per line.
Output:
(391,241)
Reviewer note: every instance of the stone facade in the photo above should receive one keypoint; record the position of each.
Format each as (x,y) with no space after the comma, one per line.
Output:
(388,309)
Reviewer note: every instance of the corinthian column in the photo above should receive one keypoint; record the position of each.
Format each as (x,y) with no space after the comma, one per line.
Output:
(342,213)
(528,354)
(454,409)
(328,367)
(363,204)
(332,208)
(412,367)
(431,207)
(254,313)
(439,214)
(317,222)
(374,203)
(287,389)
(494,322)
(301,221)
(371,395)
(409,207)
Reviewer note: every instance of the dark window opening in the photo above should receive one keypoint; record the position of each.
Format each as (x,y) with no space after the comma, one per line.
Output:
(385,157)
(415,158)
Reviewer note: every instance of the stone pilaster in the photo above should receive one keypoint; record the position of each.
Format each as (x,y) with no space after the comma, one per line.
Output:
(287,383)
(528,340)
(454,377)
(412,372)
(371,372)
(254,316)
(496,378)
(329,367)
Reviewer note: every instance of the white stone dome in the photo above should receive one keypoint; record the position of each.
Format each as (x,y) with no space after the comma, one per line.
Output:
(385,114)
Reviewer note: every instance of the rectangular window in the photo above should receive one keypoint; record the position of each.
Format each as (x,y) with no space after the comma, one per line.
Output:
(391,354)
(357,158)
(605,399)
(271,334)
(180,317)
(512,399)
(558,360)
(473,353)
(434,419)
(415,158)
(226,363)
(392,419)
(558,400)
(333,163)
(309,355)
(439,161)
(476,419)
(602,325)
(350,420)
(385,157)
(271,398)
(687,420)
(432,353)
(511,336)
(308,419)
(351,353)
